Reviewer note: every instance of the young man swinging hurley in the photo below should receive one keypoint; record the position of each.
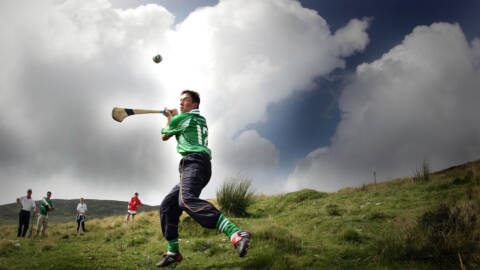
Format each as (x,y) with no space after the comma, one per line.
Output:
(190,130)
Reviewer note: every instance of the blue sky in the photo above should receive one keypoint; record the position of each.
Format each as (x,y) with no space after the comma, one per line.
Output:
(294,98)
(289,122)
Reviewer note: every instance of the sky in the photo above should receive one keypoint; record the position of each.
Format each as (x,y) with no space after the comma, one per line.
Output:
(297,94)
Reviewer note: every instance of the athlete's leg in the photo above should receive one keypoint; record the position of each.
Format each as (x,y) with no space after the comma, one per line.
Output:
(40,223)
(83,223)
(170,214)
(194,177)
(45,225)
(78,223)
(26,223)
(21,222)
(169,217)
(195,171)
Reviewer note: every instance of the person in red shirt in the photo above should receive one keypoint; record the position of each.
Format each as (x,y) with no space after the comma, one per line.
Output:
(132,208)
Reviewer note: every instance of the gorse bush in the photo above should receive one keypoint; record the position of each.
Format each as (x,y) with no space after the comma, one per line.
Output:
(234,196)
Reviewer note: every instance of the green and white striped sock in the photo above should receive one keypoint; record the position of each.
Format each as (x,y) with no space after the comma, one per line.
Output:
(226,226)
(173,246)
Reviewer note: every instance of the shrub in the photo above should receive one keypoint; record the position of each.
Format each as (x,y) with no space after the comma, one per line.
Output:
(467,179)
(234,196)
(440,235)
(448,232)
(423,175)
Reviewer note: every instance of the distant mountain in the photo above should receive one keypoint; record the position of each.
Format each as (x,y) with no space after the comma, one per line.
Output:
(66,210)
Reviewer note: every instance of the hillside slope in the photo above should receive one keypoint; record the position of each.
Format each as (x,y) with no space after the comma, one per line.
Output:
(65,210)
(399,224)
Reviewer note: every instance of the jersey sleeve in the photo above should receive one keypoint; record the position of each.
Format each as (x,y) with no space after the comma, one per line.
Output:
(177,125)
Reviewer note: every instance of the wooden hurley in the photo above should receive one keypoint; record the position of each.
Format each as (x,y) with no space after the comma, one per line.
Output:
(119,114)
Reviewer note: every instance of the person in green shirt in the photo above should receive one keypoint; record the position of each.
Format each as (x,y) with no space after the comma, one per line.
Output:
(191,132)
(45,206)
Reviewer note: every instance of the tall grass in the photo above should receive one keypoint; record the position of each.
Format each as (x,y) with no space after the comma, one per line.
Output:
(448,236)
(234,196)
(423,174)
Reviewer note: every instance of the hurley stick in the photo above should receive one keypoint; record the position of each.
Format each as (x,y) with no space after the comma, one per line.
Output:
(119,114)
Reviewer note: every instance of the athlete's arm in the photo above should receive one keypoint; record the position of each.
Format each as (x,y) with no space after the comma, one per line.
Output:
(169,114)
(19,203)
(171,128)
(169,117)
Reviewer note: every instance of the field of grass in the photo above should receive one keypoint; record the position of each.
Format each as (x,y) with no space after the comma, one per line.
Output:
(399,224)
(65,210)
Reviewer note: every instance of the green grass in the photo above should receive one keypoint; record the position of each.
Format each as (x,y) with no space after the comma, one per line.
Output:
(65,210)
(383,226)
(234,197)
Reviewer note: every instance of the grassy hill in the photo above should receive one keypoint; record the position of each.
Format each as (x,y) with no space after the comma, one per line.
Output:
(66,210)
(407,223)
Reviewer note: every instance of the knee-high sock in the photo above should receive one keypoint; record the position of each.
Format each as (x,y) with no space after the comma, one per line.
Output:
(226,226)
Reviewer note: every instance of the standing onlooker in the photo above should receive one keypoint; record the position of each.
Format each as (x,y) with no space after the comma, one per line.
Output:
(81,211)
(46,206)
(26,205)
(132,207)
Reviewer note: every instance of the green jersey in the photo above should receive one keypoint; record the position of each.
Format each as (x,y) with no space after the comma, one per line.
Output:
(43,208)
(191,131)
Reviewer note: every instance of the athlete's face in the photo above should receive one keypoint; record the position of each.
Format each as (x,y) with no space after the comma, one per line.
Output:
(186,103)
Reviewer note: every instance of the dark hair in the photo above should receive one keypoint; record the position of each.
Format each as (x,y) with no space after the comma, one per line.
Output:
(136,193)
(194,95)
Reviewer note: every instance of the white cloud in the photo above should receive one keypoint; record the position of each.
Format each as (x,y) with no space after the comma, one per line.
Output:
(72,61)
(419,100)
(352,37)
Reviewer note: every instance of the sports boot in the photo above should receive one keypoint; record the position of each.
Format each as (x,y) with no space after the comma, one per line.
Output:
(169,259)
(241,241)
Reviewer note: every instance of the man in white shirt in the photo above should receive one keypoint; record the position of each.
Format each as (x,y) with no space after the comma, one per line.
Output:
(26,204)
(81,211)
